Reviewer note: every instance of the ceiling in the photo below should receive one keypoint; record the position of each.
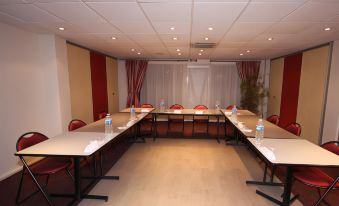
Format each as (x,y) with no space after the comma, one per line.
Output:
(238,26)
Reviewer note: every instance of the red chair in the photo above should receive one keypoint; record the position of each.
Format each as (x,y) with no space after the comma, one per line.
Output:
(148,118)
(102,115)
(176,118)
(200,119)
(231,107)
(75,124)
(315,177)
(274,119)
(44,167)
(294,128)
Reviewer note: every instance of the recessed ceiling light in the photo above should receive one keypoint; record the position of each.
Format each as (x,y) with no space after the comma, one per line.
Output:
(172,28)
(327,29)
(138,53)
(178,50)
(113,37)
(206,38)
(175,38)
(200,54)
(248,51)
(270,39)
(132,49)
(210,28)
(179,54)
(241,54)
(201,50)
(61,28)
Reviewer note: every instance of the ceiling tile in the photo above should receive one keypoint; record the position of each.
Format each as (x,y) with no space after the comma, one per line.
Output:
(173,12)
(28,13)
(179,27)
(118,11)
(314,12)
(71,11)
(134,27)
(290,27)
(263,12)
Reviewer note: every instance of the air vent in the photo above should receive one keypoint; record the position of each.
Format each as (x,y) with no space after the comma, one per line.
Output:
(203,45)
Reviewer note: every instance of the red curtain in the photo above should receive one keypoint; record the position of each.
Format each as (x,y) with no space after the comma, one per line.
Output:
(136,70)
(248,70)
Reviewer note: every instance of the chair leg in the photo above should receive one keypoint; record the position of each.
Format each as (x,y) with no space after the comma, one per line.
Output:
(321,197)
(69,174)
(20,186)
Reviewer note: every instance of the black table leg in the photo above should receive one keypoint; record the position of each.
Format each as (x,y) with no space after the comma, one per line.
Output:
(218,122)
(155,127)
(288,186)
(77,182)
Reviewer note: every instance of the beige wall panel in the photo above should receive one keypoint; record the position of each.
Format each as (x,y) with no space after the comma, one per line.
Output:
(276,78)
(80,83)
(112,85)
(311,92)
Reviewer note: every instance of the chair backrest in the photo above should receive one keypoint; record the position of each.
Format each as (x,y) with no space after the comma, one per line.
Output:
(200,107)
(75,124)
(294,128)
(29,139)
(146,106)
(102,115)
(231,107)
(176,106)
(274,119)
(332,146)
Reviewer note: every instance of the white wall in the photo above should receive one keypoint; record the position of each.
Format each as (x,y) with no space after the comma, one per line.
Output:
(32,97)
(331,121)
(122,84)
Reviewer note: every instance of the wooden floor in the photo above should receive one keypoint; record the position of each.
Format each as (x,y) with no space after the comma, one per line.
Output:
(173,172)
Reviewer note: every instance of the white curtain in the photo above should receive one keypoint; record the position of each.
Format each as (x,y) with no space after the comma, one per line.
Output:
(178,83)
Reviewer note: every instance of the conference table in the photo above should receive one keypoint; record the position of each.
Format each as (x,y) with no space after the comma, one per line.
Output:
(81,143)
(281,148)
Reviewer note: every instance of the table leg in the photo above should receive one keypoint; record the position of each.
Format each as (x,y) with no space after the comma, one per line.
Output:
(77,182)
(287,186)
(155,127)
(218,122)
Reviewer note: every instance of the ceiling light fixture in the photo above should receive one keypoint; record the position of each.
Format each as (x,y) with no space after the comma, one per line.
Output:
(132,49)
(241,54)
(248,51)
(61,28)
(172,28)
(113,37)
(179,54)
(200,54)
(270,39)
(138,53)
(175,38)
(206,38)
(178,50)
(201,50)
(210,28)
(327,29)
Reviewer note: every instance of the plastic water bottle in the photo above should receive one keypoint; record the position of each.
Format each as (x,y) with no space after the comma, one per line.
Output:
(108,125)
(259,130)
(234,113)
(162,105)
(132,113)
(217,104)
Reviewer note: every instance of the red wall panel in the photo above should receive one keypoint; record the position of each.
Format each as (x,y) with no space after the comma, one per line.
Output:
(290,89)
(99,83)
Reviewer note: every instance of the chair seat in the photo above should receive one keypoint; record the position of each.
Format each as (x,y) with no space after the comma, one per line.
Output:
(148,118)
(314,177)
(50,165)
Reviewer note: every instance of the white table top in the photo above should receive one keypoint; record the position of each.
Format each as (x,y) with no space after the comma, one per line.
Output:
(138,110)
(83,141)
(196,112)
(271,130)
(240,112)
(296,152)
